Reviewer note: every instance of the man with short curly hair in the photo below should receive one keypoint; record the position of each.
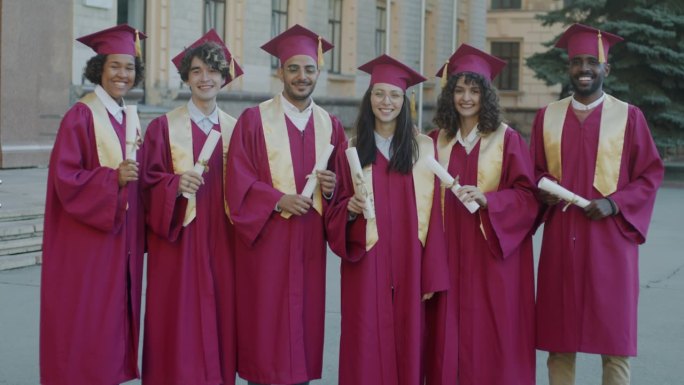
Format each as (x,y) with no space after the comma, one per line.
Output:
(190,264)
(93,239)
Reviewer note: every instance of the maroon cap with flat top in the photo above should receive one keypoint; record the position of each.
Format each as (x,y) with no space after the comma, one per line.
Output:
(581,39)
(470,59)
(121,39)
(297,40)
(386,69)
(211,36)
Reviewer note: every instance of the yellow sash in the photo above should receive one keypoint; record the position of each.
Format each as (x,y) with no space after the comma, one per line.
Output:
(423,186)
(278,147)
(489,161)
(180,144)
(610,145)
(109,152)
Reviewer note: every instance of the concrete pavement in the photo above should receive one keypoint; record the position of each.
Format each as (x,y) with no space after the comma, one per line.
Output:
(661,310)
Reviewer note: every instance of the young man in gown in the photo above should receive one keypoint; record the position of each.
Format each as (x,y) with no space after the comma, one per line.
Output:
(280,250)
(190,306)
(600,148)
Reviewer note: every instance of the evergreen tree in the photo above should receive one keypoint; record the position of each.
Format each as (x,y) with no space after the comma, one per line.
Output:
(647,69)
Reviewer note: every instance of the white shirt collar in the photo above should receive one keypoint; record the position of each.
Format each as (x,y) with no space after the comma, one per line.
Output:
(586,107)
(469,142)
(204,122)
(298,118)
(110,104)
(383,144)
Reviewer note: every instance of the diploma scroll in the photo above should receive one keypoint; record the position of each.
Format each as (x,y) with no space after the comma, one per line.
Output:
(357,179)
(561,192)
(321,164)
(448,181)
(132,129)
(205,154)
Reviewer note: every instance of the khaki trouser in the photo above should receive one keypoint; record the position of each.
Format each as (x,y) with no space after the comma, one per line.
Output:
(562,369)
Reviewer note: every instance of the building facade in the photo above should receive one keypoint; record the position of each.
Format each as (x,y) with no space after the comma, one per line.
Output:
(41,63)
(514,34)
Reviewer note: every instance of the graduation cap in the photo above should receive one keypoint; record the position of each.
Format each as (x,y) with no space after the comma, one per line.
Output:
(386,69)
(470,59)
(298,40)
(121,39)
(234,69)
(581,39)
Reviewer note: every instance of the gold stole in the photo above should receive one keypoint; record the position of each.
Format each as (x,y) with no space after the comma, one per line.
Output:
(611,140)
(109,152)
(278,147)
(489,160)
(423,186)
(180,144)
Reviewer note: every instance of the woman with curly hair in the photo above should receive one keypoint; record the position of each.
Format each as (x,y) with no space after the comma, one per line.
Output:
(481,332)
(93,240)
(394,260)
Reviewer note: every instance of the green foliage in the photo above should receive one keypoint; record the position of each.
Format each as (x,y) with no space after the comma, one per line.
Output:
(647,69)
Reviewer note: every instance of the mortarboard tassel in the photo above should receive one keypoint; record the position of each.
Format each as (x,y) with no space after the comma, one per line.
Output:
(231,68)
(413,105)
(138,50)
(601,53)
(320,54)
(444,73)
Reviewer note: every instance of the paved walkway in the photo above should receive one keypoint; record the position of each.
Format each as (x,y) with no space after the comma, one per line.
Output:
(661,310)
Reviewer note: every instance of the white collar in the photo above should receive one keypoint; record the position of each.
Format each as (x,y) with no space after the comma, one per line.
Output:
(292,109)
(383,144)
(469,142)
(471,138)
(197,116)
(586,107)
(110,104)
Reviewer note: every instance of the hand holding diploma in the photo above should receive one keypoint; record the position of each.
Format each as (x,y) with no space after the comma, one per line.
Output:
(450,183)
(321,165)
(132,132)
(561,192)
(359,185)
(189,186)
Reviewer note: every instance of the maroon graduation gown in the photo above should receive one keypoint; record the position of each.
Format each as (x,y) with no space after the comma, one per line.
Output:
(92,263)
(279,263)
(382,313)
(588,277)
(190,303)
(482,329)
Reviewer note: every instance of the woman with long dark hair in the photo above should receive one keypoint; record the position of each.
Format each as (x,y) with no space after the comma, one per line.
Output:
(482,331)
(393,255)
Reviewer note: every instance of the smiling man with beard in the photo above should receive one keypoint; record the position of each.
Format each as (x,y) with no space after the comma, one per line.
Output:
(600,148)
(280,248)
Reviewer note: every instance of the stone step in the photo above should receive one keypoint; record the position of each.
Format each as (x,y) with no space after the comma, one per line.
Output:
(20,260)
(21,245)
(21,228)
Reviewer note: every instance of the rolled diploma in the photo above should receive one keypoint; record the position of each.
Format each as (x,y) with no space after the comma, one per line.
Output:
(357,179)
(321,164)
(205,154)
(448,180)
(132,123)
(561,192)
